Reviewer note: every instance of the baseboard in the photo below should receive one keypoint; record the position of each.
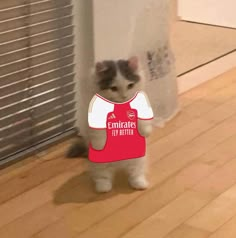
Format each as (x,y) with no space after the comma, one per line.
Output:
(207,72)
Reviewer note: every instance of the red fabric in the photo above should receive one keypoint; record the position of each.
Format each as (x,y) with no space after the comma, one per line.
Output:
(123,139)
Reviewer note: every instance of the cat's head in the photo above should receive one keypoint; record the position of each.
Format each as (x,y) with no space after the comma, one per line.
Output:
(118,81)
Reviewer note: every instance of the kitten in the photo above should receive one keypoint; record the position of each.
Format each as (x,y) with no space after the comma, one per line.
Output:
(118,82)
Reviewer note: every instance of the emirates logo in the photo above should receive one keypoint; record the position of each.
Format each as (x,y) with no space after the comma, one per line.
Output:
(131,115)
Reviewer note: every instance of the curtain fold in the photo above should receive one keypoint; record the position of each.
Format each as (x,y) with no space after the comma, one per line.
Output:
(136,27)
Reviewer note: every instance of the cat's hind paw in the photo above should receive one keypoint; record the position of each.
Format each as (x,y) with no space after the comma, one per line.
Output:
(103,186)
(139,183)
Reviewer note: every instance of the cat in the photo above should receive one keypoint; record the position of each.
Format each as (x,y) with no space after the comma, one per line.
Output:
(117,81)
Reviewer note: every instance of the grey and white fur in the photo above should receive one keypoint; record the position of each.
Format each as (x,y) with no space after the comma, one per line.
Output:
(117,81)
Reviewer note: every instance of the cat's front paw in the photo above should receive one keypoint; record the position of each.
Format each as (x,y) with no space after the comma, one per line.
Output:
(139,183)
(103,186)
(145,130)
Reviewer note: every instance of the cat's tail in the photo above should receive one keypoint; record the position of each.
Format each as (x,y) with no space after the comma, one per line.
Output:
(78,148)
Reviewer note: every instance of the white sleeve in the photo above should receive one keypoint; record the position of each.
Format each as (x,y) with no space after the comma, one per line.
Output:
(97,114)
(142,105)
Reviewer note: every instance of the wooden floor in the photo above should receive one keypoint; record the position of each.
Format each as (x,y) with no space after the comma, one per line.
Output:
(192,175)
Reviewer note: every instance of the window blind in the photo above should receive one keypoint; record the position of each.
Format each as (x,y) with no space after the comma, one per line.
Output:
(36,74)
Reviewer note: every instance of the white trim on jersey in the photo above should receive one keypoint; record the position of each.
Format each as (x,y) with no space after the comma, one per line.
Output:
(98,111)
(142,105)
(99,108)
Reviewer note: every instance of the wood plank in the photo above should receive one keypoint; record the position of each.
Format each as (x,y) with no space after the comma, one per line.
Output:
(209,87)
(171,164)
(180,162)
(30,162)
(216,213)
(194,149)
(33,176)
(221,180)
(222,154)
(165,169)
(206,95)
(198,109)
(179,137)
(78,220)
(52,209)
(227,230)
(223,95)
(185,231)
(29,200)
(216,115)
(84,221)
(24,228)
(171,216)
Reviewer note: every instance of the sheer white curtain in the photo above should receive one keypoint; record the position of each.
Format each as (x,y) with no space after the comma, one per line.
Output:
(120,29)
(150,40)
(140,27)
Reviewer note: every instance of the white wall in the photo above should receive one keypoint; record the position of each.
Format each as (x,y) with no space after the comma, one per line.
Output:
(215,12)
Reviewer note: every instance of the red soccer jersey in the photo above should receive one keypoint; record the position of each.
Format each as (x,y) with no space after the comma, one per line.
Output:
(121,123)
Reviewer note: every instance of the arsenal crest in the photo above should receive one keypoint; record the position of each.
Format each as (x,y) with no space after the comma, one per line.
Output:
(131,115)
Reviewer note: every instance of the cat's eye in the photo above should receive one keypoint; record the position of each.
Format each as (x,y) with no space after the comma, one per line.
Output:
(131,85)
(114,89)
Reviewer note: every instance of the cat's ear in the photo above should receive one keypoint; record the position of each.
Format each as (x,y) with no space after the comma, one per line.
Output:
(133,63)
(100,67)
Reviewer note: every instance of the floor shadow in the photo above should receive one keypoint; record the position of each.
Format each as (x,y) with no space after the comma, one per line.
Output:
(80,189)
